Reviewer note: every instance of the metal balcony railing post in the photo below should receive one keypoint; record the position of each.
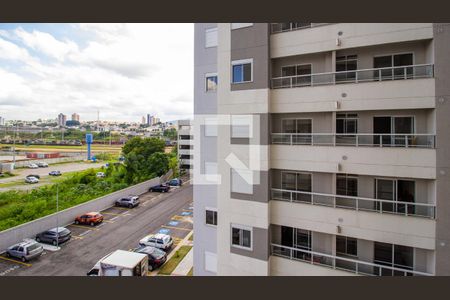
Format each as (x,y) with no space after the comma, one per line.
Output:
(406,141)
(291,140)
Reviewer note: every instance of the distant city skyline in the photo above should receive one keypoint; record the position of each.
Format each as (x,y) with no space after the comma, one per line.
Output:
(119,69)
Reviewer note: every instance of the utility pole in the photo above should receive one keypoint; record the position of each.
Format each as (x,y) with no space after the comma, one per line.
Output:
(57,209)
(14,148)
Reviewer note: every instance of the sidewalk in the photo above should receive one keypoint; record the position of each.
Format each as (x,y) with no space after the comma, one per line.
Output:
(185,265)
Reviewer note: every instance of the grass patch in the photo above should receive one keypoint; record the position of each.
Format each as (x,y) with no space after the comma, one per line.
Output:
(173,262)
(191,272)
(7,175)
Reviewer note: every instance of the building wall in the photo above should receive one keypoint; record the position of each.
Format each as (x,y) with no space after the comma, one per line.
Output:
(205,149)
(442,71)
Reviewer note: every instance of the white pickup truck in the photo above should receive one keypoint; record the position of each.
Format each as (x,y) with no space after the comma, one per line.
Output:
(121,263)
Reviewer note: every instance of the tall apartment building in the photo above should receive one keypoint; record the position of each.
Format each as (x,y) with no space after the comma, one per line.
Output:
(185,146)
(2,121)
(62,118)
(75,117)
(341,133)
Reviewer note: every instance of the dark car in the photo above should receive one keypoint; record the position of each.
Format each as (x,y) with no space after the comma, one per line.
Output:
(55,173)
(175,182)
(162,188)
(54,236)
(130,201)
(156,257)
(36,176)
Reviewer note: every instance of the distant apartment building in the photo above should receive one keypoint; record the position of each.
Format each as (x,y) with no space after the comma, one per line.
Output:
(143,121)
(185,146)
(2,121)
(149,119)
(336,156)
(62,118)
(75,117)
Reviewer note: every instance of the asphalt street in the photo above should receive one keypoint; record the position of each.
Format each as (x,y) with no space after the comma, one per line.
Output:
(122,229)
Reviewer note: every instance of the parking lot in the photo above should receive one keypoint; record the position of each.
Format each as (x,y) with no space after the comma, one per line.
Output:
(122,228)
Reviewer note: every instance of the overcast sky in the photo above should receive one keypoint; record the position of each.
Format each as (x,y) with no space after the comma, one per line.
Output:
(124,70)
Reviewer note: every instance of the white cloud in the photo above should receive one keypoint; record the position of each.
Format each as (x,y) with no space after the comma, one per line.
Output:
(46,43)
(124,70)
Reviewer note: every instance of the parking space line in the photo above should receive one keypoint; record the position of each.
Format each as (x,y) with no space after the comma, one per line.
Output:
(84,233)
(124,208)
(15,261)
(112,219)
(77,237)
(172,227)
(113,214)
(84,227)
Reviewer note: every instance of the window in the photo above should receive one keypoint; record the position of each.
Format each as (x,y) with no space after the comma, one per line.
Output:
(393,130)
(346,64)
(211,82)
(242,71)
(211,37)
(211,216)
(293,181)
(346,245)
(347,185)
(393,256)
(239,184)
(241,236)
(300,129)
(240,126)
(390,61)
(240,25)
(395,190)
(291,26)
(301,74)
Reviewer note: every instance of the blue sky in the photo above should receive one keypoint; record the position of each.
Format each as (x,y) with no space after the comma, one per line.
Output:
(124,70)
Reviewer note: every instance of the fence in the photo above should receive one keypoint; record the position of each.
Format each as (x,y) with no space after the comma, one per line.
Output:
(16,234)
(24,163)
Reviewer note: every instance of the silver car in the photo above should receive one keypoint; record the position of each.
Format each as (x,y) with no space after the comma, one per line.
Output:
(25,250)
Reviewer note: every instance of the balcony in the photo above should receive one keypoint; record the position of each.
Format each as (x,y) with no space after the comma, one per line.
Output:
(342,263)
(356,140)
(292,26)
(355,76)
(381,206)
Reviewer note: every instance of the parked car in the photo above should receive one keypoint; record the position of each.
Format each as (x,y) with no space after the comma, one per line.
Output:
(31,180)
(32,166)
(156,257)
(25,251)
(100,175)
(55,173)
(159,240)
(130,201)
(54,236)
(42,164)
(91,218)
(162,188)
(33,175)
(175,182)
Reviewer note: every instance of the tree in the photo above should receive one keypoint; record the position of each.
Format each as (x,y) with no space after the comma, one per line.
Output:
(144,159)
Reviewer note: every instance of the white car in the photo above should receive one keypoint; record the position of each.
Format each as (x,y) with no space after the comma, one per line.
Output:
(33,166)
(159,240)
(31,180)
(100,175)
(42,164)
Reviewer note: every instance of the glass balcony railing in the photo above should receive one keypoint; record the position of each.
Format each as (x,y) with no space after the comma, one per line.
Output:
(415,140)
(342,263)
(355,76)
(416,209)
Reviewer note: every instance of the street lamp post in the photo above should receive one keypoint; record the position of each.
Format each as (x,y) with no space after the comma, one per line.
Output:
(57,220)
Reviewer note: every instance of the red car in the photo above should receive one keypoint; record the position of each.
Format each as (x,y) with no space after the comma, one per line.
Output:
(91,218)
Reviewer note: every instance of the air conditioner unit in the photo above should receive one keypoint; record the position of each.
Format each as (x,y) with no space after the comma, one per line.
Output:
(338,42)
(337,105)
